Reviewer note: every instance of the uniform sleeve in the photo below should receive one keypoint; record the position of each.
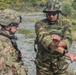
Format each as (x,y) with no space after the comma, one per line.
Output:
(67,36)
(44,38)
(6,52)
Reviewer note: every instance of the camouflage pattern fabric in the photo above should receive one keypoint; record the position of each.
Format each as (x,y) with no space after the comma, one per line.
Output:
(53,5)
(48,61)
(9,17)
(8,59)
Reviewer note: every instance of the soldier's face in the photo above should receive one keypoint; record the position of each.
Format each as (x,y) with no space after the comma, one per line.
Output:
(52,16)
(14,29)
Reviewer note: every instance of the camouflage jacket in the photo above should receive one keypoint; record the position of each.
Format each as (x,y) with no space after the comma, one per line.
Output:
(44,31)
(8,58)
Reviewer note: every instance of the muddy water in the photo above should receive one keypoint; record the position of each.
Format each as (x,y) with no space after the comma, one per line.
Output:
(26,45)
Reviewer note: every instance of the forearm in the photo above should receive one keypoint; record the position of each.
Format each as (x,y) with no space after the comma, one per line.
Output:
(57,48)
(62,44)
(60,50)
(65,44)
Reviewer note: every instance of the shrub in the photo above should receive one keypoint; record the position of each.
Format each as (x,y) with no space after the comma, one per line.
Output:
(65,21)
(67,9)
(74,22)
(43,2)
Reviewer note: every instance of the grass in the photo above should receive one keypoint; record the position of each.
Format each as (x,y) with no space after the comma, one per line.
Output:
(30,20)
(24,31)
(73,28)
(28,33)
(74,35)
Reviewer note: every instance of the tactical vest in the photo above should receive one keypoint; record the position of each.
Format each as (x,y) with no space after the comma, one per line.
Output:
(13,41)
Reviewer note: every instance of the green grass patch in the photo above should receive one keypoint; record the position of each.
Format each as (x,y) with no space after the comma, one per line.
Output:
(28,33)
(74,35)
(73,28)
(24,31)
(30,20)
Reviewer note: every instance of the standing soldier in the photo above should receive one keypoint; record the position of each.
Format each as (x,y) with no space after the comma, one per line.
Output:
(53,40)
(10,55)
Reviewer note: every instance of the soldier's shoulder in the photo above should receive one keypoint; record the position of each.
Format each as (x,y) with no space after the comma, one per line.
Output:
(41,22)
(5,44)
(4,39)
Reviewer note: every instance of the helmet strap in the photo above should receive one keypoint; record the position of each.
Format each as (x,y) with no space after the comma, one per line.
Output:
(11,33)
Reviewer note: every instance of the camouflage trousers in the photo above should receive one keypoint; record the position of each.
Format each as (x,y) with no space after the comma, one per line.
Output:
(53,66)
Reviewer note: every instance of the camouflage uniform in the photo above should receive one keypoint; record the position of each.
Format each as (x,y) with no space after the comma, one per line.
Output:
(48,61)
(8,54)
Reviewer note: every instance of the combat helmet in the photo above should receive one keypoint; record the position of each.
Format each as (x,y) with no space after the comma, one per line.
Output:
(52,5)
(9,17)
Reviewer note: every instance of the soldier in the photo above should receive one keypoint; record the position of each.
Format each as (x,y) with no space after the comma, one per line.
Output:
(10,56)
(53,41)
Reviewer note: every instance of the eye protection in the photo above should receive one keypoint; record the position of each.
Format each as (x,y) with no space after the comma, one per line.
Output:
(13,24)
(52,13)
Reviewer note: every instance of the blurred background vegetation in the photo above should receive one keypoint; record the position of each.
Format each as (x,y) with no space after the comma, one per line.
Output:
(69,6)
(23,5)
